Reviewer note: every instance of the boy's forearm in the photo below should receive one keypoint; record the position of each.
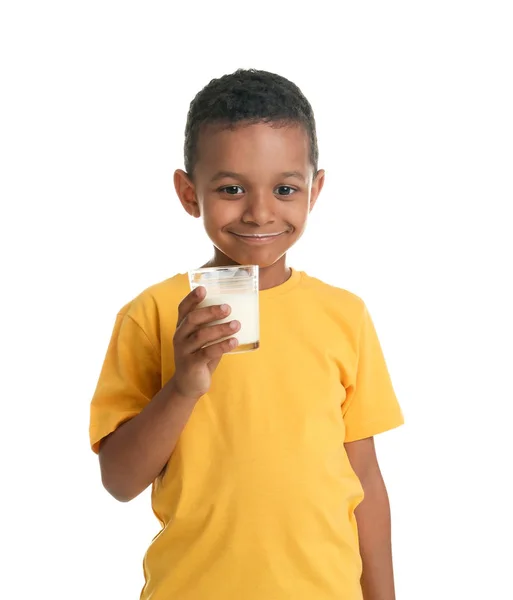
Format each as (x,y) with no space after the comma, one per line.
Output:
(374,529)
(134,455)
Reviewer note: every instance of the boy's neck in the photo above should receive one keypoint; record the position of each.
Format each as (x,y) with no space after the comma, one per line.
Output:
(268,277)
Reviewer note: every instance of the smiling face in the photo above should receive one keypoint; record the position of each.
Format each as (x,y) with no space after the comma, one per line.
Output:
(254,187)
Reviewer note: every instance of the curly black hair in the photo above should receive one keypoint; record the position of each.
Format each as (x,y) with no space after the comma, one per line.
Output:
(250,96)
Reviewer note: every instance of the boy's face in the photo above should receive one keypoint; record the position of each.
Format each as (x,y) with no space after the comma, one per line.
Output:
(254,187)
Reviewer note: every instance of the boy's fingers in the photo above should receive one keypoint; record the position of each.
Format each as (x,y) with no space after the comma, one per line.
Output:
(190,302)
(206,335)
(206,315)
(194,321)
(216,351)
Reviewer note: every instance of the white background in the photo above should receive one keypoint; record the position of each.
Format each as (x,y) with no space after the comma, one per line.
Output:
(414,110)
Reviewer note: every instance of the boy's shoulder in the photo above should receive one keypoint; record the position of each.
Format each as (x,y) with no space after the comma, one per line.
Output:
(167,293)
(168,289)
(332,295)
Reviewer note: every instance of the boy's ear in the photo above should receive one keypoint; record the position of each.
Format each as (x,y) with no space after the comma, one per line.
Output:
(186,191)
(317,186)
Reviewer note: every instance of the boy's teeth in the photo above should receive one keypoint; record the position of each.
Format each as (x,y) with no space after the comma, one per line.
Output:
(258,235)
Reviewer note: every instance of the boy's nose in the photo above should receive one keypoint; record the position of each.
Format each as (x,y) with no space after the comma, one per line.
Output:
(259,209)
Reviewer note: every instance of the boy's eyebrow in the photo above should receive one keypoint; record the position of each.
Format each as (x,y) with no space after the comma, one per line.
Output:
(223,174)
(296,174)
(232,175)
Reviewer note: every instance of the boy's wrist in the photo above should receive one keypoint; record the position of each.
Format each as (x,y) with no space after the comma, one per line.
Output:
(174,393)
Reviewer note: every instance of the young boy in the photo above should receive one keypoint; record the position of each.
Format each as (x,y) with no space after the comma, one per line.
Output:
(259,461)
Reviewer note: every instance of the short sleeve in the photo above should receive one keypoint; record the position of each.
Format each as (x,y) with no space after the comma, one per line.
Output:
(129,379)
(370,406)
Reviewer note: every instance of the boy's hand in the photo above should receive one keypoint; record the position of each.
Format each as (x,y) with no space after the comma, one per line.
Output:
(195,364)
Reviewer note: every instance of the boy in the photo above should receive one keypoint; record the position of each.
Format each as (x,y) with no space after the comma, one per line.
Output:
(258,461)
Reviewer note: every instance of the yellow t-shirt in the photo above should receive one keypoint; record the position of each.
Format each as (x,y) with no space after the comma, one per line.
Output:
(258,499)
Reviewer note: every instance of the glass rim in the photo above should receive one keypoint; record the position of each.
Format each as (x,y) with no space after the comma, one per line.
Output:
(227,267)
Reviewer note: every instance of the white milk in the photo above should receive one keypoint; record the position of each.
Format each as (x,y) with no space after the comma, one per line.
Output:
(244,309)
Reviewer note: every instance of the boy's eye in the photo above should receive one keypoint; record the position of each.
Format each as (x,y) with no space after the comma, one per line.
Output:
(285,190)
(236,190)
(232,190)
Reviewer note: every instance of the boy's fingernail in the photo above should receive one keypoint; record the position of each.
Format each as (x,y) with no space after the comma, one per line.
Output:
(234,324)
(225,307)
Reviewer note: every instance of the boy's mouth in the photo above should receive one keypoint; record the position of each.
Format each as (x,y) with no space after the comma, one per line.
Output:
(258,238)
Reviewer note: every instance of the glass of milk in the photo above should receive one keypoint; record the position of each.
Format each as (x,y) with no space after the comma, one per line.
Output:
(236,286)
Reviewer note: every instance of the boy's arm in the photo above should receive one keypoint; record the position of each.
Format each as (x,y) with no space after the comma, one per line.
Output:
(373,518)
(135,453)
(133,456)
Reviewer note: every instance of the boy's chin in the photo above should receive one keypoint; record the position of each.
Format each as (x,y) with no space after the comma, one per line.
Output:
(263,262)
